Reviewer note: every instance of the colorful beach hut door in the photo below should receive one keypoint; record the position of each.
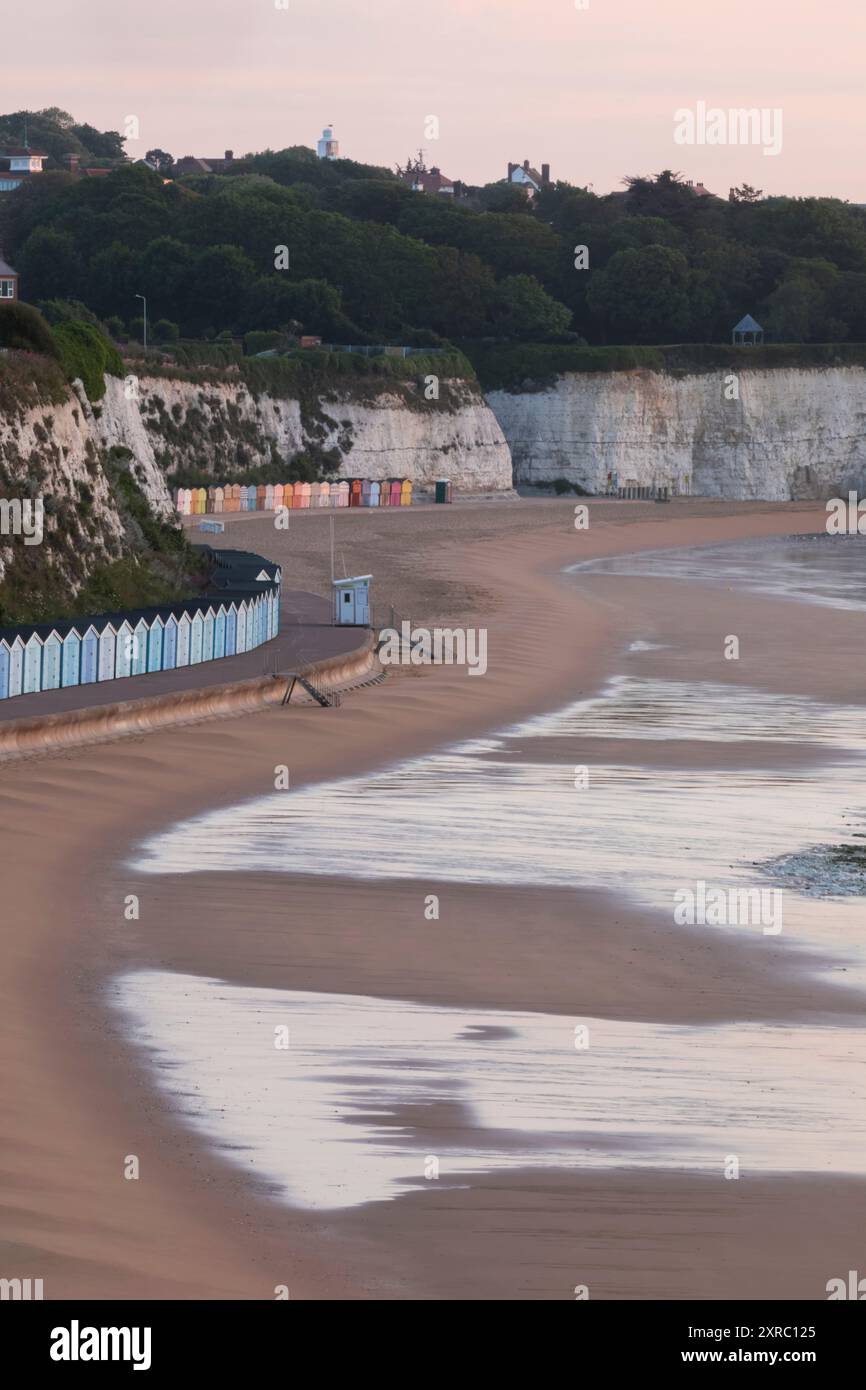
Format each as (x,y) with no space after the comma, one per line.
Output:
(71,658)
(169,644)
(90,656)
(16,667)
(154,645)
(107,649)
(32,665)
(4,670)
(123,656)
(183,640)
(51,662)
(139,648)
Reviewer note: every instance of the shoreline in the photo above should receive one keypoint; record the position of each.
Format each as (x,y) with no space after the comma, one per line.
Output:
(190,1227)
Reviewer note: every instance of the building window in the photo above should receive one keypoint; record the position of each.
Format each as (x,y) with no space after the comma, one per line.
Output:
(7,289)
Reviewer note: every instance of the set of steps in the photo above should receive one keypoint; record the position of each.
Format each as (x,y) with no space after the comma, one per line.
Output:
(328,699)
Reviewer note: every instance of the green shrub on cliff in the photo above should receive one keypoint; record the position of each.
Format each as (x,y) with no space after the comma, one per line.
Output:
(23,328)
(87,354)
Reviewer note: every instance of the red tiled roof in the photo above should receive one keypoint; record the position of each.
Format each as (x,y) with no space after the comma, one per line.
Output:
(14,153)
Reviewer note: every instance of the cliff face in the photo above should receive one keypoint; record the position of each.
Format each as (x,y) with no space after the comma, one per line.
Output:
(50,450)
(54,445)
(787,434)
(222,426)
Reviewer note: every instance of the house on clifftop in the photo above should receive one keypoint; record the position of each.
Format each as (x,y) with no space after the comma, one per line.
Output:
(17,165)
(8,282)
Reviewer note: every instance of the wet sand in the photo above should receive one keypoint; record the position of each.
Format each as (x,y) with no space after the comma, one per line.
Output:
(78,1101)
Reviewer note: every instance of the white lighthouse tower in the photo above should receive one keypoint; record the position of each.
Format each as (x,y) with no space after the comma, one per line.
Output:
(328,147)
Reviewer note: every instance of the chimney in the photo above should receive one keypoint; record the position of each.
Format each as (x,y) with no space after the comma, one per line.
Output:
(72,161)
(230,154)
(545,173)
(526,165)
(511,169)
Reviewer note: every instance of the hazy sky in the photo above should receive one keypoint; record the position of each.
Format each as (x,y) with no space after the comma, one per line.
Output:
(590,91)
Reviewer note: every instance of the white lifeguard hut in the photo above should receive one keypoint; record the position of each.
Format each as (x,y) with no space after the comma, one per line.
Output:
(352,601)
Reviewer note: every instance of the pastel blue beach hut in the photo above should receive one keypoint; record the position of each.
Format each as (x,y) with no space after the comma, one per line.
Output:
(32,665)
(90,656)
(52,653)
(269,497)
(139,651)
(208,638)
(169,644)
(241,640)
(196,639)
(123,650)
(231,630)
(71,665)
(4,669)
(154,644)
(16,667)
(107,651)
(183,639)
(219,633)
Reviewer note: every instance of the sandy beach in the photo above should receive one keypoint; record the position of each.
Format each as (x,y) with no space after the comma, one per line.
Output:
(78,1100)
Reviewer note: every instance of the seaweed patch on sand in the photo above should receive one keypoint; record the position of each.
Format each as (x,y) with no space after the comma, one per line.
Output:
(824,871)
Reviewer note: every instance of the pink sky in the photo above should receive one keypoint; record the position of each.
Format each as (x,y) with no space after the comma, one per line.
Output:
(591,92)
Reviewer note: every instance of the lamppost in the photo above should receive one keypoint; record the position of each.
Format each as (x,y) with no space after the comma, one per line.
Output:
(143,299)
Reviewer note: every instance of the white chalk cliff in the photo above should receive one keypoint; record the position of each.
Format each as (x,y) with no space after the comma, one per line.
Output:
(788,433)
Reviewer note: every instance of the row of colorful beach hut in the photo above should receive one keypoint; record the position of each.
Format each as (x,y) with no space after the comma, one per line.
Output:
(270,497)
(110,652)
(111,646)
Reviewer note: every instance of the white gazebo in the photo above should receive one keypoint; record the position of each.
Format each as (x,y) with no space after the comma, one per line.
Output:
(747,333)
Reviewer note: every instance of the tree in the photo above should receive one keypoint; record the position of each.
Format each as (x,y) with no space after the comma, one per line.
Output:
(793,310)
(161,160)
(49,265)
(746,194)
(164,331)
(102,144)
(221,279)
(526,311)
(641,295)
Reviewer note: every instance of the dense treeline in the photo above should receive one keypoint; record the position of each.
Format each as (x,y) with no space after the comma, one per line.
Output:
(369,260)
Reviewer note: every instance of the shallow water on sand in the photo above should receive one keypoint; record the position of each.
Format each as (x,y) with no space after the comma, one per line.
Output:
(500,810)
(644,790)
(825,570)
(370,1092)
